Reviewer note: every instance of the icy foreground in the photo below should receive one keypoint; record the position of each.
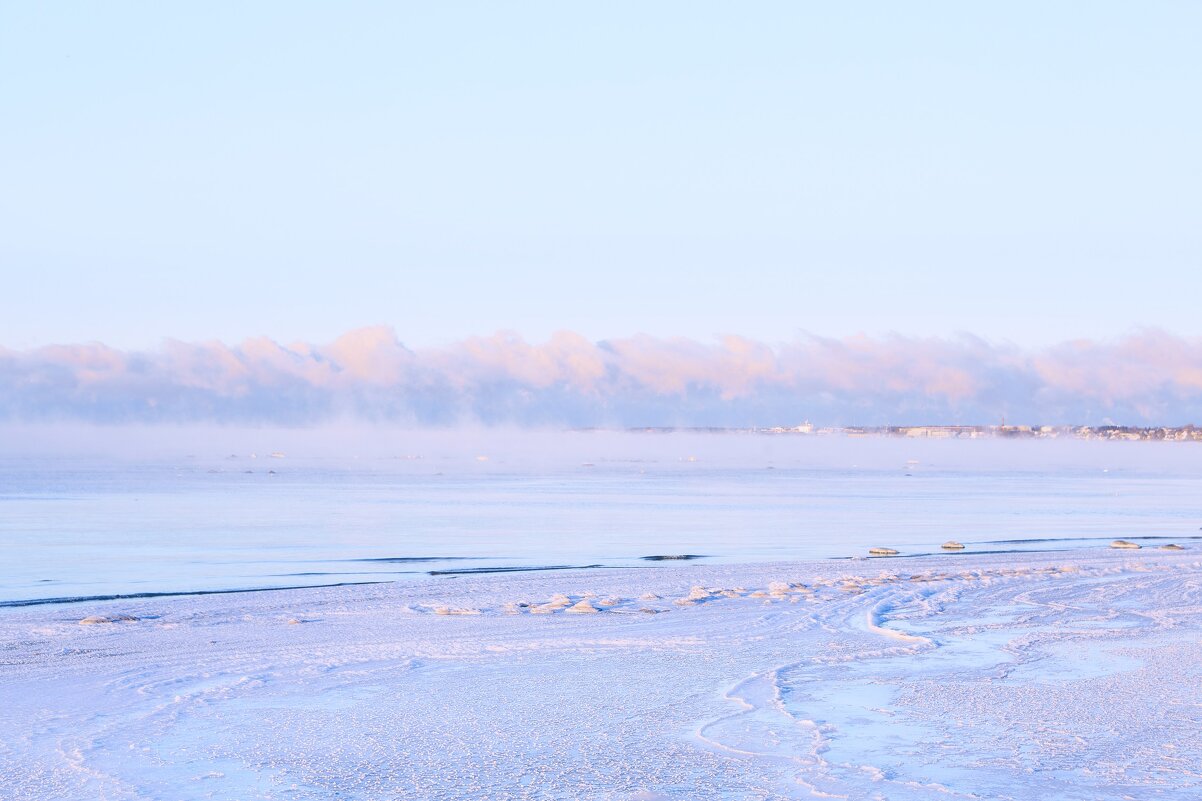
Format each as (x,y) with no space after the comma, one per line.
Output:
(1046,676)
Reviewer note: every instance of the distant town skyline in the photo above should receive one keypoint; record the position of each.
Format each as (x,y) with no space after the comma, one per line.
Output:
(1026,172)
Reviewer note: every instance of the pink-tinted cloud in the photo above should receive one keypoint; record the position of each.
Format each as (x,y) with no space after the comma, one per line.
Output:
(1148,377)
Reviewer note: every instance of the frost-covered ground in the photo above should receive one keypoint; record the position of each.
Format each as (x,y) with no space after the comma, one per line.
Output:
(1050,676)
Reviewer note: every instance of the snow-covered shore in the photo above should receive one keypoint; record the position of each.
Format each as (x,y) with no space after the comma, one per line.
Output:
(1061,675)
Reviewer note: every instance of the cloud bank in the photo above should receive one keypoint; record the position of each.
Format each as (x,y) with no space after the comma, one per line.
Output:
(1148,378)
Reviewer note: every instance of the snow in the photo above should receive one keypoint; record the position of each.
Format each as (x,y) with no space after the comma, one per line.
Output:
(1010,676)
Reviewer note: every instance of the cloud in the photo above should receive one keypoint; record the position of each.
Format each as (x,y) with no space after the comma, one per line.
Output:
(1150,377)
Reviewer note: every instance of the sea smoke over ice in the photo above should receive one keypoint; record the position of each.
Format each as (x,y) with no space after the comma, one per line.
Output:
(369,375)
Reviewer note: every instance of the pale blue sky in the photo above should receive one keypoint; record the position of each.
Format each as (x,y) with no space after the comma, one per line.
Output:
(1024,171)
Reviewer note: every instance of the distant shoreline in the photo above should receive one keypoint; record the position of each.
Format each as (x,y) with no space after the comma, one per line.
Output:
(1187,433)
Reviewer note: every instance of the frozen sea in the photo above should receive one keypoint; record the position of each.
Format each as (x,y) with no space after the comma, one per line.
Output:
(782,664)
(206,514)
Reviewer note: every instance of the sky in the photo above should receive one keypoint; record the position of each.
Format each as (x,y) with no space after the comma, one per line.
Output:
(787,172)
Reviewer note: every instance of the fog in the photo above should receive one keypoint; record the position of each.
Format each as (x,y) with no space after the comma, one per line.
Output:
(370,376)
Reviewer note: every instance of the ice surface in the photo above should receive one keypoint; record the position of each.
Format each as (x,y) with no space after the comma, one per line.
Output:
(1018,676)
